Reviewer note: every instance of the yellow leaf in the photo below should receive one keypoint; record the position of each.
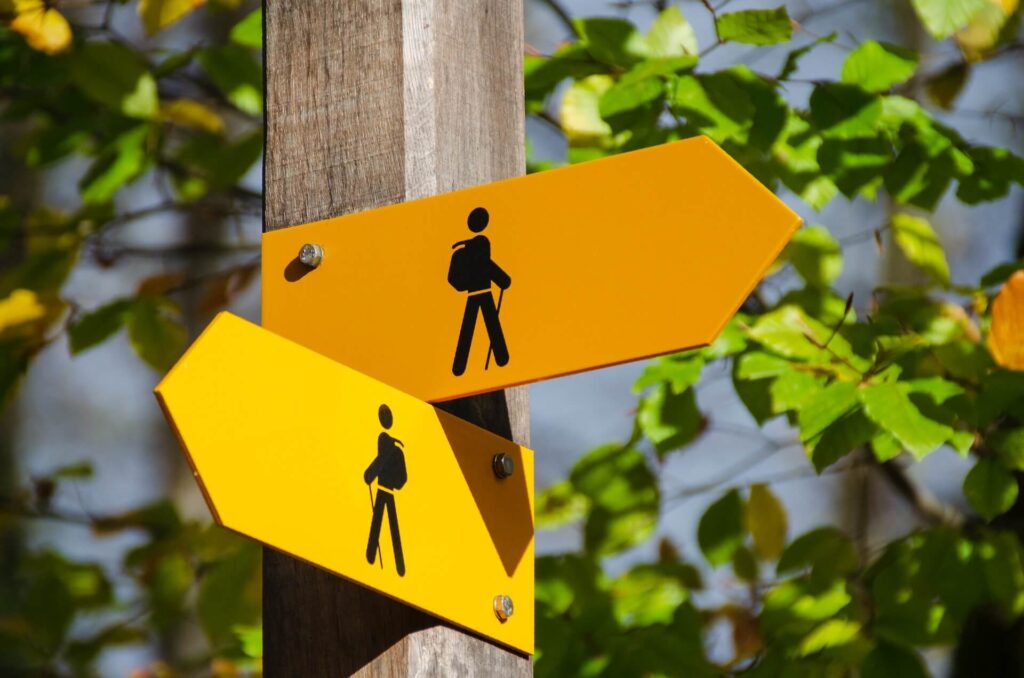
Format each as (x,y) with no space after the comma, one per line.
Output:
(191,113)
(157,15)
(20,307)
(579,114)
(44,28)
(1006,336)
(982,33)
(766,520)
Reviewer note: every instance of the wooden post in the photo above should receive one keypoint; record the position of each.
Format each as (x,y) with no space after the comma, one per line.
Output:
(372,102)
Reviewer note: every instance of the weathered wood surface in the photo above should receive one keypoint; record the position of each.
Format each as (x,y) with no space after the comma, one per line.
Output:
(371,102)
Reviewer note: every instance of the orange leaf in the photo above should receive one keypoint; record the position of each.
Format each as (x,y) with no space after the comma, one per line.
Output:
(1006,336)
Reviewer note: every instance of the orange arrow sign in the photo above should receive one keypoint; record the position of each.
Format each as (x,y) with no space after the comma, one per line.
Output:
(324,463)
(613,260)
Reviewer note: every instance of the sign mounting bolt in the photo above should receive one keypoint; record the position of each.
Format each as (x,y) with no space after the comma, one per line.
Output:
(503,465)
(503,607)
(311,254)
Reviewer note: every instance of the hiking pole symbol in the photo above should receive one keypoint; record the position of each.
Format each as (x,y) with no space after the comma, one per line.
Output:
(497,312)
(380,556)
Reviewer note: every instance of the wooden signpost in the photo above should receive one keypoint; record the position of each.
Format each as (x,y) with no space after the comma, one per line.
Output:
(628,257)
(326,464)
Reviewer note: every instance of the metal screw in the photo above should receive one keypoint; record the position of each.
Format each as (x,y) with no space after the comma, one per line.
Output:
(503,465)
(311,255)
(503,608)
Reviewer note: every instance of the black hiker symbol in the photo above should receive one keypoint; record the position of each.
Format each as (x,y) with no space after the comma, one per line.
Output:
(472,270)
(388,468)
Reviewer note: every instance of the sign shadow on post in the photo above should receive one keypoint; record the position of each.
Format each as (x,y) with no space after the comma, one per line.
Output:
(503,503)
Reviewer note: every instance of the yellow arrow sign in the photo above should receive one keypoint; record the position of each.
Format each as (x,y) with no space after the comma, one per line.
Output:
(600,263)
(324,463)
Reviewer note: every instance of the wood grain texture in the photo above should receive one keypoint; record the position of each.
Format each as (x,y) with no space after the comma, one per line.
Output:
(371,102)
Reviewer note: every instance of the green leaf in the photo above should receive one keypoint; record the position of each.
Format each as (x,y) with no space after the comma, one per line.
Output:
(155,335)
(795,607)
(920,245)
(1000,274)
(943,18)
(543,73)
(623,494)
(760,365)
(842,436)
(216,163)
(766,520)
(680,371)
(790,332)
(856,165)
(720,531)
(671,35)
(559,505)
(628,95)
(994,170)
(826,551)
(792,389)
(892,661)
(612,41)
(1009,445)
(836,400)
(832,633)
(49,610)
(95,327)
(714,105)
(570,582)
(815,255)
(877,66)
(668,419)
(251,638)
(990,488)
(845,111)
(116,76)
(125,159)
(236,73)
(938,389)
(229,594)
(649,593)
(889,406)
(755,395)
(249,31)
(756,26)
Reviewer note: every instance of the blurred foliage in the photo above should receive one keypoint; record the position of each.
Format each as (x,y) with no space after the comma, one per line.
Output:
(120,115)
(883,383)
(879,384)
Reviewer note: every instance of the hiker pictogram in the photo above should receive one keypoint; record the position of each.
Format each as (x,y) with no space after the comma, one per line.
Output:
(472,270)
(388,469)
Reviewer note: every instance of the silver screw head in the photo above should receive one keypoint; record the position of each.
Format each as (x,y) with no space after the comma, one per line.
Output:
(503,465)
(503,607)
(311,254)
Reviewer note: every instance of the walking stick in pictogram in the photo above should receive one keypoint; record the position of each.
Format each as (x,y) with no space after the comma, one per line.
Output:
(380,556)
(497,312)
